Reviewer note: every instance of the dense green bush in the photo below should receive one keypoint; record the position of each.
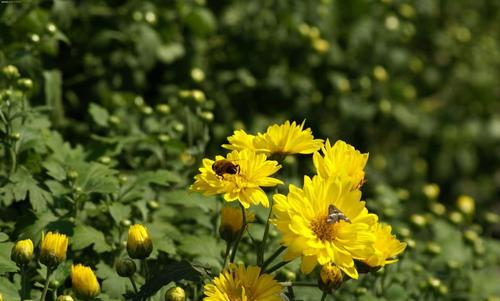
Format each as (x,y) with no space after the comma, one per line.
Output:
(112,105)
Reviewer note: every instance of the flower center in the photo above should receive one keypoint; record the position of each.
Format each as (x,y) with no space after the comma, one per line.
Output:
(323,229)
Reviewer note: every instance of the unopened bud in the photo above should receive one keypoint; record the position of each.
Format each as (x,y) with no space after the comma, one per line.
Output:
(198,96)
(65,298)
(418,220)
(466,204)
(11,71)
(330,278)
(163,108)
(175,293)
(147,110)
(25,84)
(153,205)
(431,191)
(456,217)
(22,252)
(125,267)
(125,222)
(197,74)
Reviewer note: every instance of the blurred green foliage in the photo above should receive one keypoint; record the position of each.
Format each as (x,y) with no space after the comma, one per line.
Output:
(128,96)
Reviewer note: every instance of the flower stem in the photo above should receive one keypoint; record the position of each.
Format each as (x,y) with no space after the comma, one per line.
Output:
(260,255)
(276,267)
(323,298)
(228,248)
(146,268)
(46,287)
(273,257)
(23,270)
(235,248)
(134,285)
(290,283)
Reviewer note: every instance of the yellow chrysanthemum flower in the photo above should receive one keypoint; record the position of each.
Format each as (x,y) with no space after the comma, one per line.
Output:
(139,245)
(240,140)
(22,252)
(303,219)
(341,161)
(53,249)
(286,139)
(253,172)
(244,284)
(387,246)
(84,282)
(232,222)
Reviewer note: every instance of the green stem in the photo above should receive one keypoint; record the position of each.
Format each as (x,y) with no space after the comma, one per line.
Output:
(304,284)
(46,287)
(260,255)
(228,248)
(323,297)
(146,268)
(273,257)
(244,225)
(13,158)
(23,282)
(134,285)
(276,266)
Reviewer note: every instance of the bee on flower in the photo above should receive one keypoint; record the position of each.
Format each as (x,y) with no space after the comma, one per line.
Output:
(285,139)
(304,218)
(243,183)
(243,283)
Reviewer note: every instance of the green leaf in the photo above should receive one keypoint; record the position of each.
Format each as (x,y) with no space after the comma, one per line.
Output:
(119,212)
(99,114)
(97,178)
(174,271)
(85,236)
(6,265)
(53,94)
(8,289)
(54,169)
(189,200)
(201,21)
(114,285)
(169,53)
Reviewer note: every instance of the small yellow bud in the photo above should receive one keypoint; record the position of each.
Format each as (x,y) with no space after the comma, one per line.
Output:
(492,218)
(153,205)
(434,282)
(125,267)
(10,71)
(437,208)
(197,74)
(22,252)
(471,236)
(330,278)
(380,73)
(163,108)
(147,110)
(25,84)
(418,220)
(64,298)
(431,190)
(175,293)
(198,96)
(433,248)
(139,245)
(392,22)
(53,249)
(208,116)
(232,222)
(466,204)
(320,45)
(84,282)
(456,217)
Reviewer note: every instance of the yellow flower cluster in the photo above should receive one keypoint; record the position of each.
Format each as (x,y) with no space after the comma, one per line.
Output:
(324,222)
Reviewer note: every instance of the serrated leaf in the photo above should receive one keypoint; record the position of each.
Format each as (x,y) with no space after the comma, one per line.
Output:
(99,114)
(119,212)
(175,271)
(114,285)
(97,177)
(8,289)
(6,265)
(189,200)
(85,236)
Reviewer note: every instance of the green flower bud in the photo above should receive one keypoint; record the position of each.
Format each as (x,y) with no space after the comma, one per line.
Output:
(147,110)
(72,175)
(153,205)
(105,160)
(418,220)
(125,223)
(164,138)
(22,252)
(64,298)
(330,279)
(197,74)
(175,293)
(198,96)
(11,72)
(113,119)
(25,84)
(125,267)
(15,136)
(163,108)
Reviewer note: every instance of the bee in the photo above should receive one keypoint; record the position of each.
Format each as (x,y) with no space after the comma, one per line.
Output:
(222,167)
(335,215)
